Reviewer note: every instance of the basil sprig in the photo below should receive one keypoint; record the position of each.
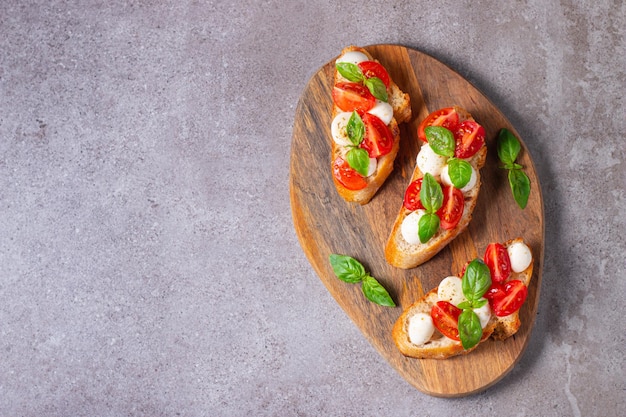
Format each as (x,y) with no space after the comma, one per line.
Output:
(431,197)
(353,73)
(508,150)
(441,141)
(475,283)
(357,157)
(352,271)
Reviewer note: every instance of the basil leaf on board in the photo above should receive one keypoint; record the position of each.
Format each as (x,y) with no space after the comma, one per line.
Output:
(427,226)
(431,195)
(346,268)
(520,185)
(376,293)
(350,71)
(470,331)
(441,140)
(359,160)
(476,281)
(355,129)
(377,88)
(508,147)
(460,172)
(464,304)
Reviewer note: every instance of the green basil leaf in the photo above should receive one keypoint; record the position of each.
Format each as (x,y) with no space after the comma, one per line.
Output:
(355,129)
(350,71)
(376,293)
(464,304)
(508,147)
(460,172)
(479,303)
(470,331)
(431,194)
(346,268)
(520,186)
(427,226)
(377,88)
(441,140)
(359,160)
(476,280)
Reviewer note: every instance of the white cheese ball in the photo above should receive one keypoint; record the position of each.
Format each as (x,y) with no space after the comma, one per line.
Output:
(520,256)
(421,328)
(430,162)
(410,226)
(451,290)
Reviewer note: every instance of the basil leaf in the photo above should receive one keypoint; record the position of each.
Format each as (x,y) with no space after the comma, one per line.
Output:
(520,186)
(464,304)
(470,331)
(460,172)
(376,293)
(431,194)
(355,129)
(350,71)
(479,303)
(377,88)
(441,140)
(427,226)
(476,280)
(508,147)
(359,160)
(346,268)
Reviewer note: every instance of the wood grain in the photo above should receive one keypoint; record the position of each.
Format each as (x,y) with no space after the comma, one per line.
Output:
(326,224)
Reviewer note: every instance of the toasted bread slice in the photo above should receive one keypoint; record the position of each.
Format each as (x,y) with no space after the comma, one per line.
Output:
(405,255)
(442,347)
(401,104)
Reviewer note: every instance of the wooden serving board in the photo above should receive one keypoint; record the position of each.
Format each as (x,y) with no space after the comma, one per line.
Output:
(326,224)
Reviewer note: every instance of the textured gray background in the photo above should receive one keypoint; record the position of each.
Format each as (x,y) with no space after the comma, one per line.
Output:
(148,262)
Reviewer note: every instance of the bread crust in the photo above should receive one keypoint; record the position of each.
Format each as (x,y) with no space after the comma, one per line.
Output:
(441,347)
(404,255)
(402,113)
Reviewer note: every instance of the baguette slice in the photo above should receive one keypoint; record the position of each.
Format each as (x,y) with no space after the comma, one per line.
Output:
(401,104)
(442,347)
(405,255)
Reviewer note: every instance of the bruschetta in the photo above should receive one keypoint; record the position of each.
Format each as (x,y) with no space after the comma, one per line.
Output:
(465,310)
(443,190)
(367,107)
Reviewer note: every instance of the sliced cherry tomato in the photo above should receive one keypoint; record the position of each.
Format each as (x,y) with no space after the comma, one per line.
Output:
(507,298)
(445,317)
(469,137)
(451,210)
(347,176)
(412,200)
(374,69)
(352,96)
(378,139)
(446,117)
(497,259)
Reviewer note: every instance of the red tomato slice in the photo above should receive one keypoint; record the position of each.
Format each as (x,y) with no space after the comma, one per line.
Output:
(507,298)
(445,317)
(347,176)
(352,96)
(446,117)
(374,69)
(412,196)
(469,137)
(497,259)
(378,139)
(452,208)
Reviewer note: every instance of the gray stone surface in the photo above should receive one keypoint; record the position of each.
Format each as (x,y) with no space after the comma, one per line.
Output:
(149,265)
